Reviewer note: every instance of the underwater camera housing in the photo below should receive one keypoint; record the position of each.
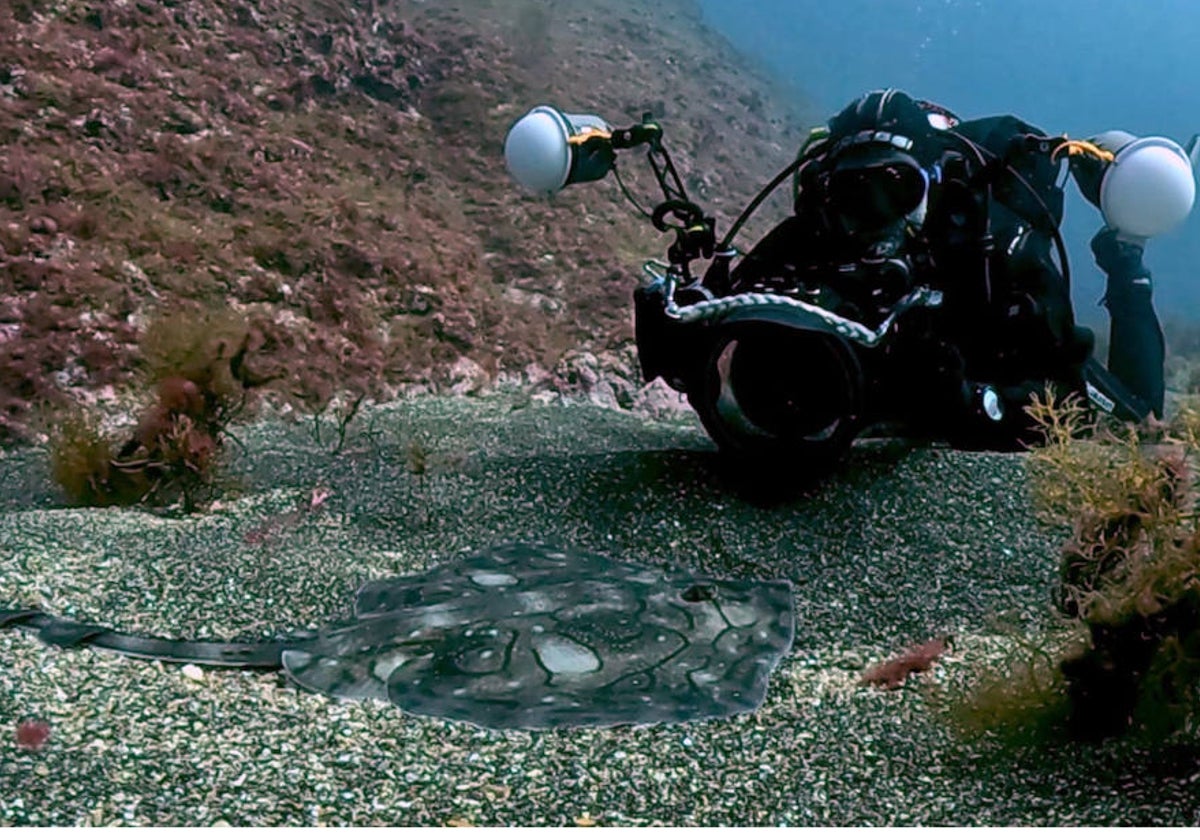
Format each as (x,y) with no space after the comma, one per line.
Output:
(787,357)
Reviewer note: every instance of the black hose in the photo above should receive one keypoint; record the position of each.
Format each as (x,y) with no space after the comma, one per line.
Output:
(790,169)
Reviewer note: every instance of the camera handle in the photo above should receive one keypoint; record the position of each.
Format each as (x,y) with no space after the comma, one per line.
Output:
(695,233)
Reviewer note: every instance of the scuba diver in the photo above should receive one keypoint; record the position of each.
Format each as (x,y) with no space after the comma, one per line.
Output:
(920,286)
(891,174)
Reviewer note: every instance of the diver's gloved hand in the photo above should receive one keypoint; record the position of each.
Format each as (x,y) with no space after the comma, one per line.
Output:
(1088,172)
(1118,256)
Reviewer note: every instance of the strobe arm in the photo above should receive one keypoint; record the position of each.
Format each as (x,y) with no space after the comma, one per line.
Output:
(650,133)
(695,232)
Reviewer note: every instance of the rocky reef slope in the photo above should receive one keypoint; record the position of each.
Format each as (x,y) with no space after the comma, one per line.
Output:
(334,171)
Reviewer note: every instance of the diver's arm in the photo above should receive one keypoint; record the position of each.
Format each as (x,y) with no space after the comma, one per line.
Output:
(1136,350)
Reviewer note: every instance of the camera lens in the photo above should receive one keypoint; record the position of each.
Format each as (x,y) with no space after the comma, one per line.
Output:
(777,391)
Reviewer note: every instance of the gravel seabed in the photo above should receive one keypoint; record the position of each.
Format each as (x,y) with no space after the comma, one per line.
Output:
(899,545)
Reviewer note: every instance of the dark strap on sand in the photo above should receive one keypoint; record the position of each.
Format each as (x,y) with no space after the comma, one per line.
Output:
(66,633)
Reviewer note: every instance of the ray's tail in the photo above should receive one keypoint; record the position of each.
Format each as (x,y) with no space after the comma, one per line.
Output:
(52,630)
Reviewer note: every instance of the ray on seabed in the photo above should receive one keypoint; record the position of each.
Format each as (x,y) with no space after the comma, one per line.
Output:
(521,636)
(528,636)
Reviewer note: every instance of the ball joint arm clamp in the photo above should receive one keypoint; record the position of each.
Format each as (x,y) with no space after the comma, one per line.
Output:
(645,132)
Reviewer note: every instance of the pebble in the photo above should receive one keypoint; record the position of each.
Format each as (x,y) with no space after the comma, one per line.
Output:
(44,225)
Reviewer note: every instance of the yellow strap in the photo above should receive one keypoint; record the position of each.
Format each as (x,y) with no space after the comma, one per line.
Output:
(584,136)
(1082,147)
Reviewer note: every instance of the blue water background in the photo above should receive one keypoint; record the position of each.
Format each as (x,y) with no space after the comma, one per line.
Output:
(1068,66)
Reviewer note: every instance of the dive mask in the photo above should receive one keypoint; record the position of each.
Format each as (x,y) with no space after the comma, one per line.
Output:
(869,189)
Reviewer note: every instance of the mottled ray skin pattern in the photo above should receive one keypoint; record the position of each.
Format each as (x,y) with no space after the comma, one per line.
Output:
(529,636)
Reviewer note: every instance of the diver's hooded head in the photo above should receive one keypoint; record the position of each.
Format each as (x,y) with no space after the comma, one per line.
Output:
(891,112)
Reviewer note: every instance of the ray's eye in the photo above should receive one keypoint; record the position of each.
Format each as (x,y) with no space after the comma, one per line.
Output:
(698,592)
